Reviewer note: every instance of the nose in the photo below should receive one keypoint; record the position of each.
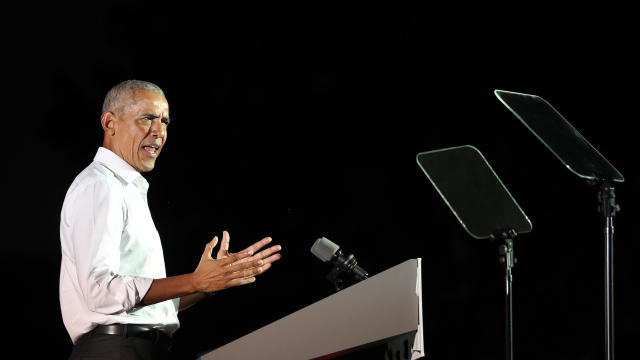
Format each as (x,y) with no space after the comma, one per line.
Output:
(158,129)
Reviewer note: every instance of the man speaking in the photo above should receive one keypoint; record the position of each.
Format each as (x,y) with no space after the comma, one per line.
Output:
(115,297)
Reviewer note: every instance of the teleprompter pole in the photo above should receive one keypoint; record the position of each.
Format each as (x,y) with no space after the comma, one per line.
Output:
(608,208)
(507,258)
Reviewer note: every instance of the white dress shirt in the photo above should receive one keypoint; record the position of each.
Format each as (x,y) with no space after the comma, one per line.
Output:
(111,250)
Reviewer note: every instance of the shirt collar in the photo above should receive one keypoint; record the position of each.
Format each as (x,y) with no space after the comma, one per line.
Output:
(124,171)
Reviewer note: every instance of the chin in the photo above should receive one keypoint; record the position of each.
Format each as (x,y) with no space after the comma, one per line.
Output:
(146,167)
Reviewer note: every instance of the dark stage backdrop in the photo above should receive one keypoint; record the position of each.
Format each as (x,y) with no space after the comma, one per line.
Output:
(302,119)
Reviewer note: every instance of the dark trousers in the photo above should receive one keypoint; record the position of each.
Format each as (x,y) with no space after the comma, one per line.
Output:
(118,347)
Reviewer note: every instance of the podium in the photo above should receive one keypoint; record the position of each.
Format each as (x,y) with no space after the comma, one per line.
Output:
(382,308)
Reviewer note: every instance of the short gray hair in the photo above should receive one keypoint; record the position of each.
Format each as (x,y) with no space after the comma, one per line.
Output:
(124,90)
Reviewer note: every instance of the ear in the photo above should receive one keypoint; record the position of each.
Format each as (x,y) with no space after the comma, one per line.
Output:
(109,123)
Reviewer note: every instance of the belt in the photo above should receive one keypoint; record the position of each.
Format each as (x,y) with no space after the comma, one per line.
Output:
(133,330)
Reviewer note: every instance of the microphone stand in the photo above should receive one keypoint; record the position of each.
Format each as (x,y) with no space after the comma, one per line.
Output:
(334,277)
(346,266)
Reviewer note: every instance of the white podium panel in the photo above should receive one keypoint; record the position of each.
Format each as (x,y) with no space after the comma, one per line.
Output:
(381,307)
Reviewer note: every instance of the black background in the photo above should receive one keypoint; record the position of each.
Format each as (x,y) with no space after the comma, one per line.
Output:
(302,119)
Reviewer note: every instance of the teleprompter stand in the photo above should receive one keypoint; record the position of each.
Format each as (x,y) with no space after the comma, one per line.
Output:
(583,160)
(483,206)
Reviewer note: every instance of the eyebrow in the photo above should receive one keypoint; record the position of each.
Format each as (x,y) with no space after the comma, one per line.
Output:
(155,116)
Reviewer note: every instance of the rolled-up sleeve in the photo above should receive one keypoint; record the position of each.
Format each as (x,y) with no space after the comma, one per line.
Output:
(98,219)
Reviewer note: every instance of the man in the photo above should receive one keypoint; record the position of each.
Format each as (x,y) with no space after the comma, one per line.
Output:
(115,298)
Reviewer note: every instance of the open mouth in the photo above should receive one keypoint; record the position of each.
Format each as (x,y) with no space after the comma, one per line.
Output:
(151,149)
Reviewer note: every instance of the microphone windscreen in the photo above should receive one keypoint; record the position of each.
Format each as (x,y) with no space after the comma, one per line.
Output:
(324,249)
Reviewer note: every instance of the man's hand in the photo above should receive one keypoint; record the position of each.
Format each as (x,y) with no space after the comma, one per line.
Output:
(212,275)
(228,269)
(268,256)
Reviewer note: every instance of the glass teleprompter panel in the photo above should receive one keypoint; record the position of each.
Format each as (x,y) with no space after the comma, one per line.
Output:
(472,190)
(559,136)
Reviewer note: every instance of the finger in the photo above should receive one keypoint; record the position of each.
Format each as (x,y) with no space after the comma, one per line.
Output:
(272,259)
(264,268)
(254,257)
(259,244)
(241,281)
(224,246)
(264,254)
(248,272)
(225,240)
(232,258)
(208,249)
(241,266)
(268,252)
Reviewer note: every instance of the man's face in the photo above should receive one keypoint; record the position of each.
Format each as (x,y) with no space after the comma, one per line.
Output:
(140,130)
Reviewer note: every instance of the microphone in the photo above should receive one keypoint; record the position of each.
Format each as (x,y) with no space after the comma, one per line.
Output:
(329,252)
